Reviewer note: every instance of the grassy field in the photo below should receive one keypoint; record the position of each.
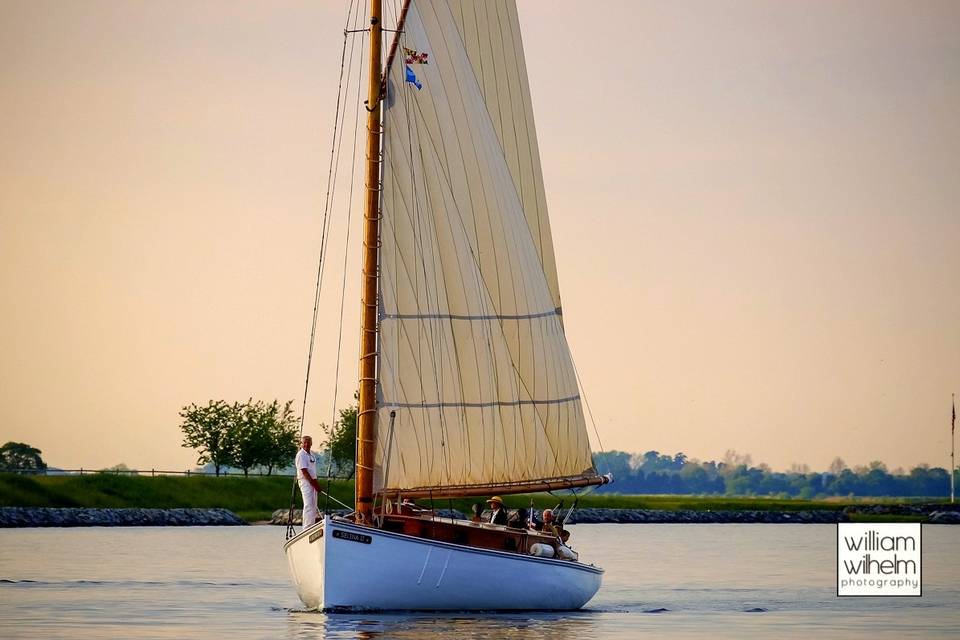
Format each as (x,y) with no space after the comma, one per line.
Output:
(256,498)
(250,498)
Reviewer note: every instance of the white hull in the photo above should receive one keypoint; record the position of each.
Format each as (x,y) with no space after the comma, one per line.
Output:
(351,567)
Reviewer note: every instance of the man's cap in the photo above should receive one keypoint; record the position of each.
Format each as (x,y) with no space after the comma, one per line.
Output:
(495,499)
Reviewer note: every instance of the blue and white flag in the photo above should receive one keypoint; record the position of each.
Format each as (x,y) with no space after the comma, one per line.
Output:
(412,78)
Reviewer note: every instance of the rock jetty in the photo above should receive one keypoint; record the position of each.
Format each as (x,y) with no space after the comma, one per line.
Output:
(48,517)
(690,516)
(915,509)
(935,514)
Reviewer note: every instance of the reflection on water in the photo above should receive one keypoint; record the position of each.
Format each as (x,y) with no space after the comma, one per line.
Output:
(671,580)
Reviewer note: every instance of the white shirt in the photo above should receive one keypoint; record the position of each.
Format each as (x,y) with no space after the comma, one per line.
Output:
(306,461)
(493,516)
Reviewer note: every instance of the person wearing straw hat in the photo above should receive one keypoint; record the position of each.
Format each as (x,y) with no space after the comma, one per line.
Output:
(499,515)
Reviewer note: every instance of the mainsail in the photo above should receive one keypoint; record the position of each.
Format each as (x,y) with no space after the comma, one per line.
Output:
(477,389)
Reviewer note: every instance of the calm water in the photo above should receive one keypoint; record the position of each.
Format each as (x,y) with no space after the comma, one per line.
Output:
(669,580)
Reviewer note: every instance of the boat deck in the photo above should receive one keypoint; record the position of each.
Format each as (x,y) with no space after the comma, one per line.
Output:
(471,534)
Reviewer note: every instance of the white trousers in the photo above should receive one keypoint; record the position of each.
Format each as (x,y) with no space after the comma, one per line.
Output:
(309,503)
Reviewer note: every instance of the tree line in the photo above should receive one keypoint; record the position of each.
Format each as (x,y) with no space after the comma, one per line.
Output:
(254,435)
(257,434)
(736,475)
(243,435)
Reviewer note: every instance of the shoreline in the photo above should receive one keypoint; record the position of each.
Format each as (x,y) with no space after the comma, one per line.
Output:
(39,517)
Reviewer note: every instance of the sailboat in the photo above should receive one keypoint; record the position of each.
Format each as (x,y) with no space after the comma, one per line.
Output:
(467,386)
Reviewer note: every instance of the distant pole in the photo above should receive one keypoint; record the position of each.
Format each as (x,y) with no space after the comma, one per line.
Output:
(953,426)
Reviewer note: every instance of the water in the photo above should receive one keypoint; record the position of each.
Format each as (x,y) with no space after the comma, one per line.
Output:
(670,580)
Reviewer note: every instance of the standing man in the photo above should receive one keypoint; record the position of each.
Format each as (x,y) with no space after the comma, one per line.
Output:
(306,464)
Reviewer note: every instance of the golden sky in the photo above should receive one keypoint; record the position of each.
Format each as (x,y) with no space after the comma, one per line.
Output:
(761,197)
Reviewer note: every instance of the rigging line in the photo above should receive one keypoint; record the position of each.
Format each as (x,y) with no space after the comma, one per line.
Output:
(474,257)
(478,270)
(399,326)
(396,189)
(425,231)
(321,260)
(331,183)
(448,325)
(329,472)
(346,255)
(486,332)
(525,97)
(425,227)
(443,348)
(430,206)
(390,361)
(418,250)
(518,185)
(422,231)
(459,217)
(583,393)
(525,226)
(538,242)
(356,19)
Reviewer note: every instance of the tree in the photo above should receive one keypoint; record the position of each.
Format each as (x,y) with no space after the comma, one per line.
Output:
(209,430)
(837,466)
(249,436)
(120,468)
(342,440)
(264,434)
(282,444)
(19,456)
(732,459)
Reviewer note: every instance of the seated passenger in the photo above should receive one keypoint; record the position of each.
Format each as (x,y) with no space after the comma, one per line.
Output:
(477,509)
(519,519)
(550,526)
(499,514)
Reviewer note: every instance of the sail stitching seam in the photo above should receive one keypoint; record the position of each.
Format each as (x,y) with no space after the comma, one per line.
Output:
(477,405)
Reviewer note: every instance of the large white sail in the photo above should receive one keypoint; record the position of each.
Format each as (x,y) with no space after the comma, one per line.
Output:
(490,31)
(473,358)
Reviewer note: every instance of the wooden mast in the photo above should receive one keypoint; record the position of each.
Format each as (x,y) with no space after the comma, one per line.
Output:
(367,408)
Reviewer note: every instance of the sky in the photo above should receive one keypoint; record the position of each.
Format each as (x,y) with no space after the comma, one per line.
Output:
(754,207)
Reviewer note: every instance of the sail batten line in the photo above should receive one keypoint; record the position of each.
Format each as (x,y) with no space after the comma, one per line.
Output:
(454,316)
(478,405)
